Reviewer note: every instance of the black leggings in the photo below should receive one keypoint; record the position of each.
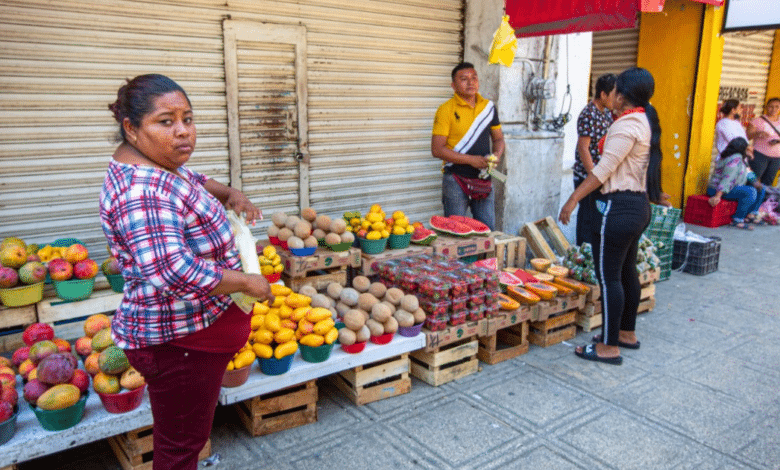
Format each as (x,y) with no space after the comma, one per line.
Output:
(764,167)
(624,216)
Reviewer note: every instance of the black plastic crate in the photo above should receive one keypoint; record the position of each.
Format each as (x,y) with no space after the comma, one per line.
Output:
(697,258)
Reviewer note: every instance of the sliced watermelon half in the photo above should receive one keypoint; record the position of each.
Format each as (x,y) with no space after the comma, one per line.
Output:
(450,226)
(509,279)
(475,225)
(489,263)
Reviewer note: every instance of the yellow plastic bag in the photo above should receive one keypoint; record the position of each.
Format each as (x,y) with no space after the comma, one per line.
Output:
(504,44)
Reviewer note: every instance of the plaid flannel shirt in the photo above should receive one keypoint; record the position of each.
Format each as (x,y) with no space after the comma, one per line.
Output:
(172,240)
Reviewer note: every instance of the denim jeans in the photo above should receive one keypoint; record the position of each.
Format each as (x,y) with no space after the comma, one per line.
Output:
(456,202)
(748,200)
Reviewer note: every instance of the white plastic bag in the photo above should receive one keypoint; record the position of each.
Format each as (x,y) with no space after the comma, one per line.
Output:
(247,250)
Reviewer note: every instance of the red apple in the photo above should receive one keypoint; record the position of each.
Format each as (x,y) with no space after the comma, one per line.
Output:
(85,269)
(60,270)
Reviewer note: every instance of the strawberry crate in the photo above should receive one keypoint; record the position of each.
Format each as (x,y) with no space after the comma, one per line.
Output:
(698,211)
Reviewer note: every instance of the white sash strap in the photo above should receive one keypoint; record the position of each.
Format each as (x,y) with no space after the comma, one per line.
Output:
(477,127)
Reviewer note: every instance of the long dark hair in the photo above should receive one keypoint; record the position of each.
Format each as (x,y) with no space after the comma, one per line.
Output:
(135,98)
(728,106)
(637,86)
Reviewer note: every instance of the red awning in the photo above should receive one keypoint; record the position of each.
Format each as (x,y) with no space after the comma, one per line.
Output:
(541,17)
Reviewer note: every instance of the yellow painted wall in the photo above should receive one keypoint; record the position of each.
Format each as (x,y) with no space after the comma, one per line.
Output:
(669,48)
(705,103)
(773,85)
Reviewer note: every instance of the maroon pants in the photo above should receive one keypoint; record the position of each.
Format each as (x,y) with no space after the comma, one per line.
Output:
(183,387)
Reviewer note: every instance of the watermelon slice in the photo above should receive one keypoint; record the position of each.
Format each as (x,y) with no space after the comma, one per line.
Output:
(509,279)
(450,226)
(522,275)
(475,225)
(423,236)
(489,263)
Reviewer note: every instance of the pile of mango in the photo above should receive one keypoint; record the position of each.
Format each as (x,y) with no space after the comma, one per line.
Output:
(270,261)
(376,225)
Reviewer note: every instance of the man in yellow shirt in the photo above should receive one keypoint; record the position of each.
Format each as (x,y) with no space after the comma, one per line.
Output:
(464,130)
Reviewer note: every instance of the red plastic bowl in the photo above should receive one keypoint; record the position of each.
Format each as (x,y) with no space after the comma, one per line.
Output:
(354,348)
(382,339)
(123,402)
(273,277)
(236,377)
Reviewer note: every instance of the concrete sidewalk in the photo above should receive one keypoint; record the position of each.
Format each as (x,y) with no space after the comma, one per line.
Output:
(702,393)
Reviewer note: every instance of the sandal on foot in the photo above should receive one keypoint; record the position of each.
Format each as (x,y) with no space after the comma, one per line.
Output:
(597,339)
(741,225)
(589,354)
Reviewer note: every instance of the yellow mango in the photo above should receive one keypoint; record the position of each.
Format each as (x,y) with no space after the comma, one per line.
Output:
(323,326)
(285,349)
(273,322)
(266,270)
(263,336)
(285,311)
(278,268)
(299,334)
(295,300)
(263,351)
(313,340)
(257,322)
(306,326)
(331,336)
(287,323)
(260,308)
(284,335)
(244,358)
(299,313)
(274,310)
(231,366)
(278,301)
(279,290)
(317,314)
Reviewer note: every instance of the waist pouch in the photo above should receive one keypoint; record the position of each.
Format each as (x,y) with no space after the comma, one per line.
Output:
(474,188)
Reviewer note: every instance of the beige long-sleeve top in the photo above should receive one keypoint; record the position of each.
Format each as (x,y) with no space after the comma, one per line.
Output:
(623,164)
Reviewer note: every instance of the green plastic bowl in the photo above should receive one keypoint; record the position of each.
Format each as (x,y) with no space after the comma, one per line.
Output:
(117,282)
(57,420)
(400,241)
(318,354)
(8,427)
(74,289)
(274,366)
(372,247)
(340,246)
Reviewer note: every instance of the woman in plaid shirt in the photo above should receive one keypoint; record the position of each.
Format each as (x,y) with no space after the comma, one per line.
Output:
(167,226)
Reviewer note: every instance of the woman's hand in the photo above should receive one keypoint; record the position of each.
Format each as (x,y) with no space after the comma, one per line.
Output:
(566,211)
(237,201)
(258,287)
(666,200)
(757,184)
(714,200)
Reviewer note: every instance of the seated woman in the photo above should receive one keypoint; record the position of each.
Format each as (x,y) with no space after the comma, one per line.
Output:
(733,180)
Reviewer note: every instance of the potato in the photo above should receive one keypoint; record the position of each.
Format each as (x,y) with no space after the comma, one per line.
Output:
(309,214)
(410,303)
(419,316)
(284,234)
(302,229)
(354,320)
(308,290)
(321,300)
(389,305)
(380,312)
(332,239)
(366,301)
(318,233)
(349,296)
(404,318)
(295,242)
(334,290)
(322,222)
(342,308)
(338,226)
(278,219)
(391,325)
(394,295)
(347,337)
(291,221)
(363,334)
(361,283)
(273,231)
(376,328)
(378,289)
(347,237)
(310,242)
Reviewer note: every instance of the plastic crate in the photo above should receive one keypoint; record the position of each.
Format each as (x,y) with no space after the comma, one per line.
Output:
(697,258)
(698,211)
(663,221)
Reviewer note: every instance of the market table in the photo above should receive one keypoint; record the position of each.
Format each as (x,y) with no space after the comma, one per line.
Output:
(32,441)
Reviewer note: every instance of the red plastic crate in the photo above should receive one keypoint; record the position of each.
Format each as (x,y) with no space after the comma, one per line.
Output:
(698,211)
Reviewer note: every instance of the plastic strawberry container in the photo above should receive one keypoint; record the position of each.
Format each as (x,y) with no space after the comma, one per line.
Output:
(433,288)
(459,305)
(492,310)
(476,299)
(458,319)
(435,307)
(476,313)
(459,286)
(434,324)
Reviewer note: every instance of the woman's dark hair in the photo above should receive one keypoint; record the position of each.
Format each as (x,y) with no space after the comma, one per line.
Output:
(728,106)
(605,84)
(637,87)
(774,98)
(134,99)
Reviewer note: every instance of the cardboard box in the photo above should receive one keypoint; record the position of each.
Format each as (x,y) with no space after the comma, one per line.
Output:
(458,247)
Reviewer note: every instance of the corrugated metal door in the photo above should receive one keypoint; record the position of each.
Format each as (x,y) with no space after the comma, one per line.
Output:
(613,52)
(746,58)
(376,72)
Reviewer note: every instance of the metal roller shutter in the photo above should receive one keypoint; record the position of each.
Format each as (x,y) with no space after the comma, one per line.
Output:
(746,58)
(613,52)
(377,70)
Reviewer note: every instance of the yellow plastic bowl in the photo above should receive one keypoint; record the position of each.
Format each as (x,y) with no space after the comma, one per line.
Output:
(22,295)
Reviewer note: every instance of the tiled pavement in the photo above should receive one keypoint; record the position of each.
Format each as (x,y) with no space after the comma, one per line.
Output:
(702,393)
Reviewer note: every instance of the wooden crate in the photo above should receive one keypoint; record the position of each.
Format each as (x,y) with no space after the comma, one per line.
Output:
(323,258)
(548,308)
(553,330)
(11,317)
(434,340)
(280,410)
(545,239)
(318,279)
(458,247)
(588,322)
(446,363)
(510,250)
(375,381)
(11,339)
(134,449)
(646,305)
(504,344)
(370,263)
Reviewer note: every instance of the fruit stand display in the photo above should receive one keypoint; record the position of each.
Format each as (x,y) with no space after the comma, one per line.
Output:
(461,237)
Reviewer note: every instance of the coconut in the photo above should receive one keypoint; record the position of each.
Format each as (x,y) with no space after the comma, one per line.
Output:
(338,226)
(347,237)
(291,221)
(278,218)
(309,214)
(322,222)
(302,229)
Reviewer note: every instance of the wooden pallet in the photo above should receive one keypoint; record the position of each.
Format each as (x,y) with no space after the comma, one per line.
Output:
(134,449)
(588,322)
(375,381)
(447,363)
(503,345)
(646,305)
(280,410)
(510,250)
(557,305)
(553,330)
(541,235)
(319,279)
(370,263)
(435,340)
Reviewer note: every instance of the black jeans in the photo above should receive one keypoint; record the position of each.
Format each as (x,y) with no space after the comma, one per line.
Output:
(587,216)
(764,167)
(624,217)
